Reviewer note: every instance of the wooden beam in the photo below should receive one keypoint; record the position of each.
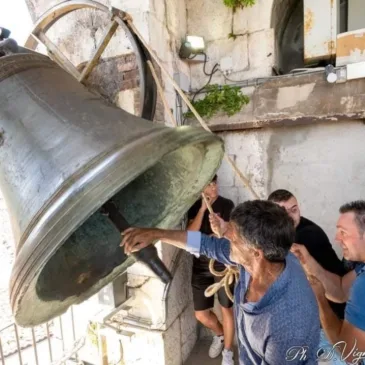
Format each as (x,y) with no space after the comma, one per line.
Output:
(57,55)
(162,94)
(107,36)
(102,347)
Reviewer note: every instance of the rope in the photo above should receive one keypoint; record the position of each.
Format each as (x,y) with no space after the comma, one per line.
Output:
(230,273)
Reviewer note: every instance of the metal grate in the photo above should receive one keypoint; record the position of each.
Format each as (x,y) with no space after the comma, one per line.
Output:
(45,344)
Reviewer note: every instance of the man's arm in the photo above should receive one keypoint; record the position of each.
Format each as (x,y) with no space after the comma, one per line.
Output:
(215,248)
(343,335)
(134,239)
(196,222)
(337,287)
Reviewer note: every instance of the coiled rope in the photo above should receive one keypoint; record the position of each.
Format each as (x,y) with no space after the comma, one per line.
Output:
(228,275)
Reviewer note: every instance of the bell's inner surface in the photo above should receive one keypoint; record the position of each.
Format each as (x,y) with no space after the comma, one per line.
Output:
(92,252)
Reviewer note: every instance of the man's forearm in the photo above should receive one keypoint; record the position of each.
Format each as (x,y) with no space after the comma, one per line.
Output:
(196,223)
(172,237)
(332,284)
(331,324)
(348,343)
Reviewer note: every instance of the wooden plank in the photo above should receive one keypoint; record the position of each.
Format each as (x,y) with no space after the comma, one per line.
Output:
(57,55)
(103,349)
(162,94)
(107,36)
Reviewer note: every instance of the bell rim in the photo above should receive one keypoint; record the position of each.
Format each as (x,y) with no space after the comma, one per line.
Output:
(15,63)
(32,257)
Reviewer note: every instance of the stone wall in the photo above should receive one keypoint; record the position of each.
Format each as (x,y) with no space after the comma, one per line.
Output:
(321,164)
(252,48)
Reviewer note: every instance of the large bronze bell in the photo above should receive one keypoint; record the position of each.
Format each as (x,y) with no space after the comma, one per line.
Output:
(64,153)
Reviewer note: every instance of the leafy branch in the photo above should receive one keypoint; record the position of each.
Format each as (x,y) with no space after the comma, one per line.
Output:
(234,4)
(226,98)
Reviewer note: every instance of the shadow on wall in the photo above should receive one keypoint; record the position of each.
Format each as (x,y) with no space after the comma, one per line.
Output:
(287,20)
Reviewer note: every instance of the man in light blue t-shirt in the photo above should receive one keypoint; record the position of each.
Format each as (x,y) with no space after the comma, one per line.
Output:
(347,336)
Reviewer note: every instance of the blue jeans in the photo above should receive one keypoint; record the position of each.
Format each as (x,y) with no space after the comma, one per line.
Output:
(326,353)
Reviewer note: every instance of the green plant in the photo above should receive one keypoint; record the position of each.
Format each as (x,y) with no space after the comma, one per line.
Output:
(234,4)
(226,98)
(232,36)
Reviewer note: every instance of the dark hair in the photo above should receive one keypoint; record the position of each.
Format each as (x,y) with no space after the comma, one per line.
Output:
(267,226)
(215,178)
(280,195)
(358,208)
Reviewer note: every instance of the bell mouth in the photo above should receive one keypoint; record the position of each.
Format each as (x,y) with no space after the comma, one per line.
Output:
(73,251)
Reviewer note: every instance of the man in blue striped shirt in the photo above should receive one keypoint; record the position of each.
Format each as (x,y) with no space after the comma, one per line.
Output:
(276,314)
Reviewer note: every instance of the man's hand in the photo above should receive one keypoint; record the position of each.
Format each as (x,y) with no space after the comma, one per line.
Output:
(134,239)
(301,252)
(317,287)
(204,206)
(307,261)
(218,225)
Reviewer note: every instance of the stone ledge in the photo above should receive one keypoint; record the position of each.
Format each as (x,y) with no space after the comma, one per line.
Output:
(298,100)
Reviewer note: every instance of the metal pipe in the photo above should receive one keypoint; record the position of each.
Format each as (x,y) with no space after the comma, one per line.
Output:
(49,343)
(18,344)
(261,80)
(74,331)
(6,327)
(2,353)
(35,347)
(62,338)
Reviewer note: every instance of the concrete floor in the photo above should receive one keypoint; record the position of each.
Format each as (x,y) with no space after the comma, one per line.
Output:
(199,356)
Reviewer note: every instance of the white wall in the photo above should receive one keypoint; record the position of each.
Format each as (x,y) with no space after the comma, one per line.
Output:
(323,165)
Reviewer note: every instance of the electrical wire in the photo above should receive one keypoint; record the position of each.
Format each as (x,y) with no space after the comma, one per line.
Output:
(210,74)
(214,70)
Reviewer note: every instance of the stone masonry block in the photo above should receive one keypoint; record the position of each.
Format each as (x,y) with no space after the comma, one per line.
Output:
(248,147)
(261,56)
(216,50)
(172,344)
(261,46)
(179,295)
(176,18)
(188,346)
(226,176)
(159,38)
(188,323)
(210,19)
(199,79)
(253,18)
(157,9)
